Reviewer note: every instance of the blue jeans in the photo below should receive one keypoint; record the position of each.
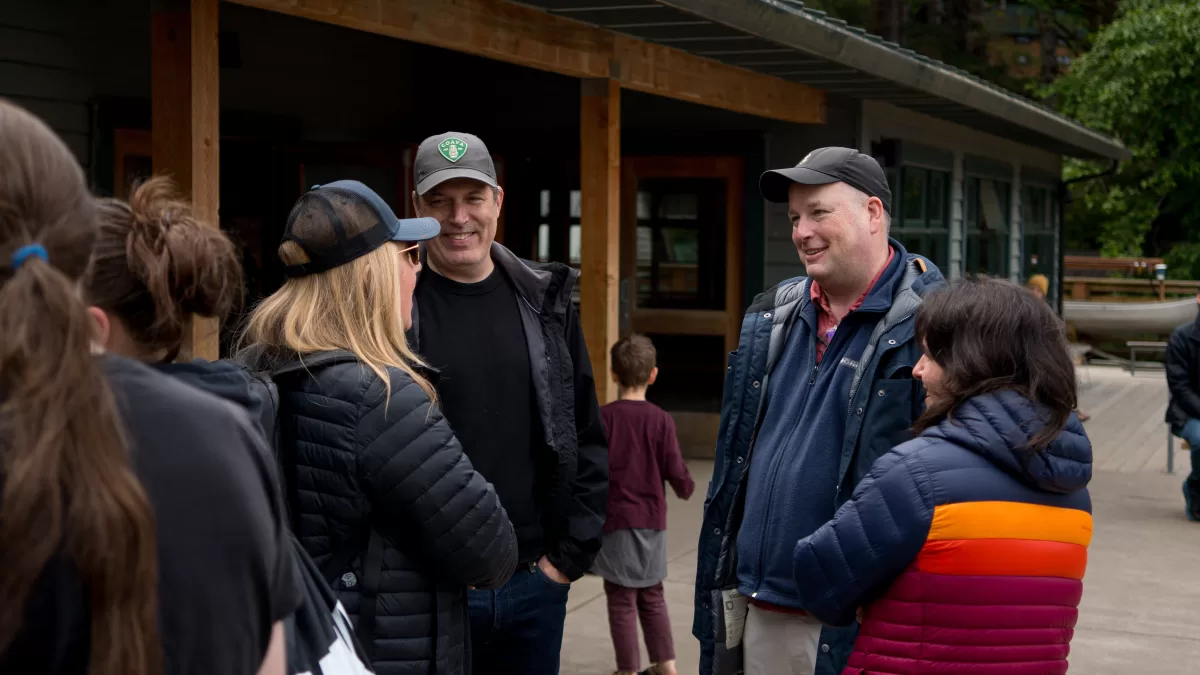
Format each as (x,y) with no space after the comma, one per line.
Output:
(518,628)
(1191,434)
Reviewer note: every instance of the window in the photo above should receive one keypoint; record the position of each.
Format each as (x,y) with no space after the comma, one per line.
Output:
(574,233)
(558,236)
(1064,60)
(1039,216)
(681,243)
(543,235)
(987,221)
(1023,59)
(921,211)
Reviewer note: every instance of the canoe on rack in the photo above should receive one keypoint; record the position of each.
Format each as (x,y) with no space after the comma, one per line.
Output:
(1120,319)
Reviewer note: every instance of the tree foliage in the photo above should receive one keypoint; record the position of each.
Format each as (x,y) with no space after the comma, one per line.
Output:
(1140,82)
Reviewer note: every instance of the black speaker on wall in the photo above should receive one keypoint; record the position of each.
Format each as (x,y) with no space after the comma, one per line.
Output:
(888,152)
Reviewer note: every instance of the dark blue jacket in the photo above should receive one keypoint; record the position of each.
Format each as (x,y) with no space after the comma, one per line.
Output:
(792,482)
(882,402)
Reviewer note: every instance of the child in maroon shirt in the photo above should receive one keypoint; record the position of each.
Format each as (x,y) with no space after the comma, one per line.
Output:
(643,453)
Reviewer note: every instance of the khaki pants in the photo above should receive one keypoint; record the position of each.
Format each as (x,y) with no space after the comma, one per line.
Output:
(775,643)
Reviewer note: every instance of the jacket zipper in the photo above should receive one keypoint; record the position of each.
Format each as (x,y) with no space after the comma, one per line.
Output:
(774,472)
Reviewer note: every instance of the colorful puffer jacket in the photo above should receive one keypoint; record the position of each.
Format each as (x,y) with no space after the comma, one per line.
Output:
(966,550)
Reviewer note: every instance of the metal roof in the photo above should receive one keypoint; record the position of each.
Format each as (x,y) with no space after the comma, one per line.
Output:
(785,39)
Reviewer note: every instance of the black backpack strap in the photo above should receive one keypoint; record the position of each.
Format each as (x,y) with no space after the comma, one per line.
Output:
(372,570)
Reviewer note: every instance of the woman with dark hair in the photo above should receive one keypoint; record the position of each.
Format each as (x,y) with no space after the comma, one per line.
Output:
(139,525)
(965,548)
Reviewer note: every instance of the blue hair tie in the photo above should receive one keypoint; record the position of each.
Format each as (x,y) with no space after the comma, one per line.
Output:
(26,252)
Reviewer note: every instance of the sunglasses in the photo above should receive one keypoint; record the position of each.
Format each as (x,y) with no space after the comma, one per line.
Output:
(414,254)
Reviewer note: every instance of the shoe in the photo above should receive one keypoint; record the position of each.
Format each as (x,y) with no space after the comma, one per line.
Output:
(1191,511)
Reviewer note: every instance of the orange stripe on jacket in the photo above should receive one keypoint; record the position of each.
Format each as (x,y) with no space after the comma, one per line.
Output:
(1003,557)
(1010,520)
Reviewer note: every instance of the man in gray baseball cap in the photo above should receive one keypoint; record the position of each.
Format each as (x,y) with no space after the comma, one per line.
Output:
(516,385)
(834,393)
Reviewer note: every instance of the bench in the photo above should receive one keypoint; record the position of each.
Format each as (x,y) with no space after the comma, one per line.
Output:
(1135,345)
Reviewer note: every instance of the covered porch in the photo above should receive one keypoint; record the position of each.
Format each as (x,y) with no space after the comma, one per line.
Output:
(607,146)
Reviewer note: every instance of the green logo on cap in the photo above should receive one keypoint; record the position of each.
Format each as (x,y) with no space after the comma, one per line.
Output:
(452,149)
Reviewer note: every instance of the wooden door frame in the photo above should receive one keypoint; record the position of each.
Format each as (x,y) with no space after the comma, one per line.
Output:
(726,323)
(127,143)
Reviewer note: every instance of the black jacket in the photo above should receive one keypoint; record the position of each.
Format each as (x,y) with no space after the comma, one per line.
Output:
(575,444)
(358,461)
(1183,375)
(320,639)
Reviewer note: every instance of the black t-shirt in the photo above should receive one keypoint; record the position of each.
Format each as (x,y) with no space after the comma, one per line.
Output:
(472,334)
(226,572)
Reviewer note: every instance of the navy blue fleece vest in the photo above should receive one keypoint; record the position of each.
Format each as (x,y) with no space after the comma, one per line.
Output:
(793,474)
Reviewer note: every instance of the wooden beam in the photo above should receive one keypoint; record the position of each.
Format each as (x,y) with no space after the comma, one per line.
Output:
(680,322)
(506,31)
(600,225)
(185,134)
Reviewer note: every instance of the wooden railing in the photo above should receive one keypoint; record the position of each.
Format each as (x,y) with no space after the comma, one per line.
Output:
(1128,290)
(1135,265)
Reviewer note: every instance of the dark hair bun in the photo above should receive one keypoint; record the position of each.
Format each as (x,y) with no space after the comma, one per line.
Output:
(157,264)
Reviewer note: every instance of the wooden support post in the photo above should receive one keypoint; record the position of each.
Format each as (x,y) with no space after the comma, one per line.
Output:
(185,110)
(600,222)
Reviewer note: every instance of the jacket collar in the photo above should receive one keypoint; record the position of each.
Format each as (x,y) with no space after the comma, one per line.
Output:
(279,363)
(918,277)
(544,286)
(1194,333)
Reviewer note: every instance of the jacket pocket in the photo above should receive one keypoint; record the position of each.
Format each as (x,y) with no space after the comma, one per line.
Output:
(890,412)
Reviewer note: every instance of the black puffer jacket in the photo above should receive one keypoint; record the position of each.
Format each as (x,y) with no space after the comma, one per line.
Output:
(1183,375)
(356,462)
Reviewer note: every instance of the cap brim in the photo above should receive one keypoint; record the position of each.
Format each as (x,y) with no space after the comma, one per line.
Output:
(438,177)
(416,229)
(774,184)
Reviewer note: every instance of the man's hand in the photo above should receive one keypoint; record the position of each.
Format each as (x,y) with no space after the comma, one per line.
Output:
(551,571)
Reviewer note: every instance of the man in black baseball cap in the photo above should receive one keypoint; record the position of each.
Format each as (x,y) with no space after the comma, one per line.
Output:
(839,393)
(829,165)
(505,337)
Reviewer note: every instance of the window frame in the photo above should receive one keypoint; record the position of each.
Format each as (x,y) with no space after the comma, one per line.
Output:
(923,227)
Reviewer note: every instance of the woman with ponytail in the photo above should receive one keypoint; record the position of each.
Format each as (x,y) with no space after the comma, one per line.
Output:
(139,531)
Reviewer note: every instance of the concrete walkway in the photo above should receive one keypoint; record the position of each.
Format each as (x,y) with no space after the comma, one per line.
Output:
(1141,603)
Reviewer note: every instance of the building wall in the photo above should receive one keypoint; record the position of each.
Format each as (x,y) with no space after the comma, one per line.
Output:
(786,145)
(57,57)
(977,155)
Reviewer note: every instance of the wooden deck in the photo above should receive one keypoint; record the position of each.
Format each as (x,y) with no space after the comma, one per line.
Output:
(1127,430)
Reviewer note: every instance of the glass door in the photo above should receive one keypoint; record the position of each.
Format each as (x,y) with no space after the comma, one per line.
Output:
(681,270)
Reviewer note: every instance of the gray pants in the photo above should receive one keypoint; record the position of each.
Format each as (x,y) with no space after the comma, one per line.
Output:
(775,643)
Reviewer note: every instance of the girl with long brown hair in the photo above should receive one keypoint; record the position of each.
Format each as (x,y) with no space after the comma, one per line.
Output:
(138,527)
